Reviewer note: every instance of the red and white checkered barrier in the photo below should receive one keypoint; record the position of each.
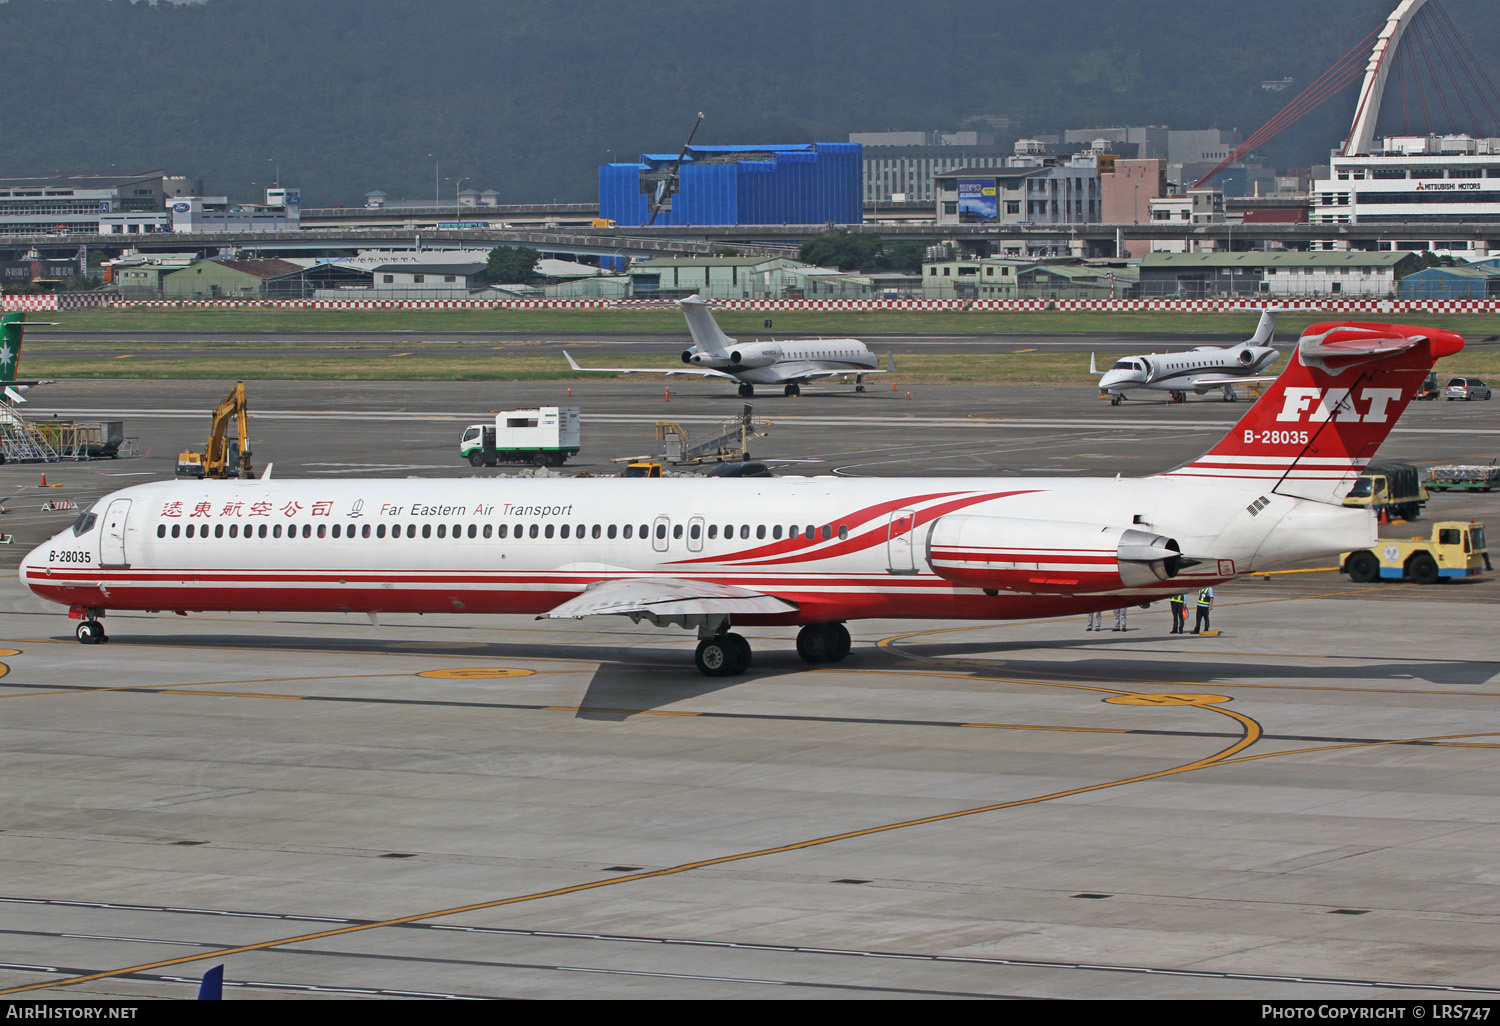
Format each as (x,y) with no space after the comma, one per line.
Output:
(11,304)
(67,301)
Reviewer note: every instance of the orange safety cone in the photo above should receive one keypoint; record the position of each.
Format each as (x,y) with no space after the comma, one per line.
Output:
(908,395)
(570,393)
(893,386)
(44,481)
(667,396)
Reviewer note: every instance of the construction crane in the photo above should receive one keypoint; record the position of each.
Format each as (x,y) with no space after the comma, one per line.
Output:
(662,185)
(223,457)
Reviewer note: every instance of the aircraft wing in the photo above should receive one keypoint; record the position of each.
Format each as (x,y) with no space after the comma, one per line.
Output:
(1231,380)
(702,372)
(653,597)
(808,375)
(810,370)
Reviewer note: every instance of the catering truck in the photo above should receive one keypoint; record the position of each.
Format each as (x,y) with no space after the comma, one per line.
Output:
(546,437)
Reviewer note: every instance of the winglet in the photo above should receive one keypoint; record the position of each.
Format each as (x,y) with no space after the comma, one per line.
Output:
(571,362)
(890,359)
(265,475)
(212,987)
(1092,369)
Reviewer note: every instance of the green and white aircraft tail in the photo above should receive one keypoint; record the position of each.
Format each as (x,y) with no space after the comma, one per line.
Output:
(12,326)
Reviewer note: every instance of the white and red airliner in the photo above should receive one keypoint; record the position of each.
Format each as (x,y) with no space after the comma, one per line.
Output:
(808,552)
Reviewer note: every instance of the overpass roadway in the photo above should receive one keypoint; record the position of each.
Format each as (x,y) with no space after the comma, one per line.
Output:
(758,240)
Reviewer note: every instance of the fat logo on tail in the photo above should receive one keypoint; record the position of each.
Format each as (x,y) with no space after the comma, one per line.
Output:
(1322,419)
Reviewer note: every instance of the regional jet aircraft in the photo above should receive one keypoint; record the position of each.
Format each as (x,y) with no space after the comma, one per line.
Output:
(1197,370)
(788,364)
(810,552)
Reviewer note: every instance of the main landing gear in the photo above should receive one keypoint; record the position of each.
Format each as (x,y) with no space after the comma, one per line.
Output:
(793,390)
(90,631)
(747,390)
(723,653)
(823,642)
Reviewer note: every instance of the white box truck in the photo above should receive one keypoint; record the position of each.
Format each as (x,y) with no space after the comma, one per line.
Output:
(546,437)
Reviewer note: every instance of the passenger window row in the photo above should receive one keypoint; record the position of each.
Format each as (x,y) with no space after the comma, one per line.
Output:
(694,531)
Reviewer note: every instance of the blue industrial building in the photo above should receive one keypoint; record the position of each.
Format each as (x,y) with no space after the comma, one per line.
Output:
(1468,282)
(813,183)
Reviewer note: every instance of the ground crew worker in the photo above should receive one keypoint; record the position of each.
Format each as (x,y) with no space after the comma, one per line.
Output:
(1096,621)
(1205,603)
(1179,613)
(1120,619)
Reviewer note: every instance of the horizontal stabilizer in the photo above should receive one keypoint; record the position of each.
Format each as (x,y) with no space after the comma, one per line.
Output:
(664,597)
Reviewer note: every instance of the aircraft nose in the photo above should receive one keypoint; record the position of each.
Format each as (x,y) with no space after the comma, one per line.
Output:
(37,557)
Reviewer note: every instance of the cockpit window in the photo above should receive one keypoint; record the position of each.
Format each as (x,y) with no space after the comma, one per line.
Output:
(84,524)
(1130,365)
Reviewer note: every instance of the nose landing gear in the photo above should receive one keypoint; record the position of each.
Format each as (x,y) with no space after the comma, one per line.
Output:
(90,631)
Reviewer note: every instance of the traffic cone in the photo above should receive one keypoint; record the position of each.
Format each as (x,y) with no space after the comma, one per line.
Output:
(908,395)
(667,396)
(570,393)
(893,386)
(44,481)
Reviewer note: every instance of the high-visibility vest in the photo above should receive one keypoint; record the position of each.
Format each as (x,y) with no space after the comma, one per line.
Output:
(1206,597)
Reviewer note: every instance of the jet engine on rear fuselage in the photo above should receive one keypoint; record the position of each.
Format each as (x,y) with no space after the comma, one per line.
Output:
(1047,557)
(748,355)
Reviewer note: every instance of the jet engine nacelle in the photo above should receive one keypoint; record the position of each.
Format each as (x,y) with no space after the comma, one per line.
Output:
(759,354)
(1046,557)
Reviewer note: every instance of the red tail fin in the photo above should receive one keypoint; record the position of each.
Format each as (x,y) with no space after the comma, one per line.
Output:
(1326,414)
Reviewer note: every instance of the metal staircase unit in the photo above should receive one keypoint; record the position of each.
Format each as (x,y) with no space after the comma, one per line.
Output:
(20,442)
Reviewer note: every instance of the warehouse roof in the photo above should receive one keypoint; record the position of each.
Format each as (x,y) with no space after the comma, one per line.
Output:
(1273,259)
(416,268)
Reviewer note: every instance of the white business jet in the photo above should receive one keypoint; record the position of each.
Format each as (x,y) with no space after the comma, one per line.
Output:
(1197,370)
(788,364)
(809,552)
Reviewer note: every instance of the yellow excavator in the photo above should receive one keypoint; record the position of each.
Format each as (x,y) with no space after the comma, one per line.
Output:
(223,457)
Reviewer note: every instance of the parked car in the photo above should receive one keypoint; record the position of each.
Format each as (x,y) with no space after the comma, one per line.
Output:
(1467,388)
(746,469)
